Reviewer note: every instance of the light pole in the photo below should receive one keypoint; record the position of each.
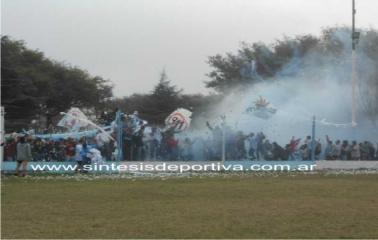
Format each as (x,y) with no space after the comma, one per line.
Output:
(313,142)
(355,37)
(2,133)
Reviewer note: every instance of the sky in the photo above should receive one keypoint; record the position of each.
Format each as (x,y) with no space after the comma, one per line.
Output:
(130,42)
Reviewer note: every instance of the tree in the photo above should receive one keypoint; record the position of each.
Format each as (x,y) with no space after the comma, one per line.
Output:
(253,63)
(163,99)
(34,85)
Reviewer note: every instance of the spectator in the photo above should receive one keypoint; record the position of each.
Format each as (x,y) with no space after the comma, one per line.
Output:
(171,144)
(365,151)
(337,154)
(355,151)
(259,146)
(84,155)
(251,146)
(187,149)
(345,151)
(240,148)
(329,151)
(292,148)
(79,155)
(318,149)
(267,150)
(69,150)
(278,153)
(10,150)
(24,155)
(372,151)
(305,152)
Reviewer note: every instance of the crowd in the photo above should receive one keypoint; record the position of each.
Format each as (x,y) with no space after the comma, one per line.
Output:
(142,142)
(152,143)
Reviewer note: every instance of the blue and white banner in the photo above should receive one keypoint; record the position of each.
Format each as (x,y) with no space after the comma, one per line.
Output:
(73,120)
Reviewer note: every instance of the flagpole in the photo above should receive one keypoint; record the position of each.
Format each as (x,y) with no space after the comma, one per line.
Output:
(119,124)
(223,139)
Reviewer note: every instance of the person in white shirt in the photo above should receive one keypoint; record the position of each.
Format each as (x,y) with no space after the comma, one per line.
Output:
(95,156)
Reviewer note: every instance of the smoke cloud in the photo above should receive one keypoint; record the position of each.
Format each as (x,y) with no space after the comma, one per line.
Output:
(316,84)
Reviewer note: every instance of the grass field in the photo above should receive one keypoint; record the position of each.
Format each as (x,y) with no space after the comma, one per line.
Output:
(303,206)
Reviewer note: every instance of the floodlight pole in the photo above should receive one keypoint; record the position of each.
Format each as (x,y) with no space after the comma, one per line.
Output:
(313,139)
(355,37)
(2,134)
(353,24)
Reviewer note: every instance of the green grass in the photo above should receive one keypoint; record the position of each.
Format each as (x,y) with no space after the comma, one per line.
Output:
(304,206)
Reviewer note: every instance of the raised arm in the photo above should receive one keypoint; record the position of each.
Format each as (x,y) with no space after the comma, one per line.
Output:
(209,126)
(327,138)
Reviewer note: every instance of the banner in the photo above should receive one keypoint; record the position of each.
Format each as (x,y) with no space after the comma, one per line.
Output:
(73,120)
(178,120)
(262,109)
(74,135)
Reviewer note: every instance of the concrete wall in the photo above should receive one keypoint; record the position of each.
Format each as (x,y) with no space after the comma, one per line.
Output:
(346,165)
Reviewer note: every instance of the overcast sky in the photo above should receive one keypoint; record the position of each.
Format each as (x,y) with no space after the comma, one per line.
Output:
(131,41)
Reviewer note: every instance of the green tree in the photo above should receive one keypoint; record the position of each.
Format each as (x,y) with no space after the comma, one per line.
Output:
(163,99)
(285,56)
(35,85)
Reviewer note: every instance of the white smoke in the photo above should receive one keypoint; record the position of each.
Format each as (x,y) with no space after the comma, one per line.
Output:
(314,85)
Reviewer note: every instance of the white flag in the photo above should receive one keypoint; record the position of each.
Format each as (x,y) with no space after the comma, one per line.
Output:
(74,120)
(178,120)
(262,108)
